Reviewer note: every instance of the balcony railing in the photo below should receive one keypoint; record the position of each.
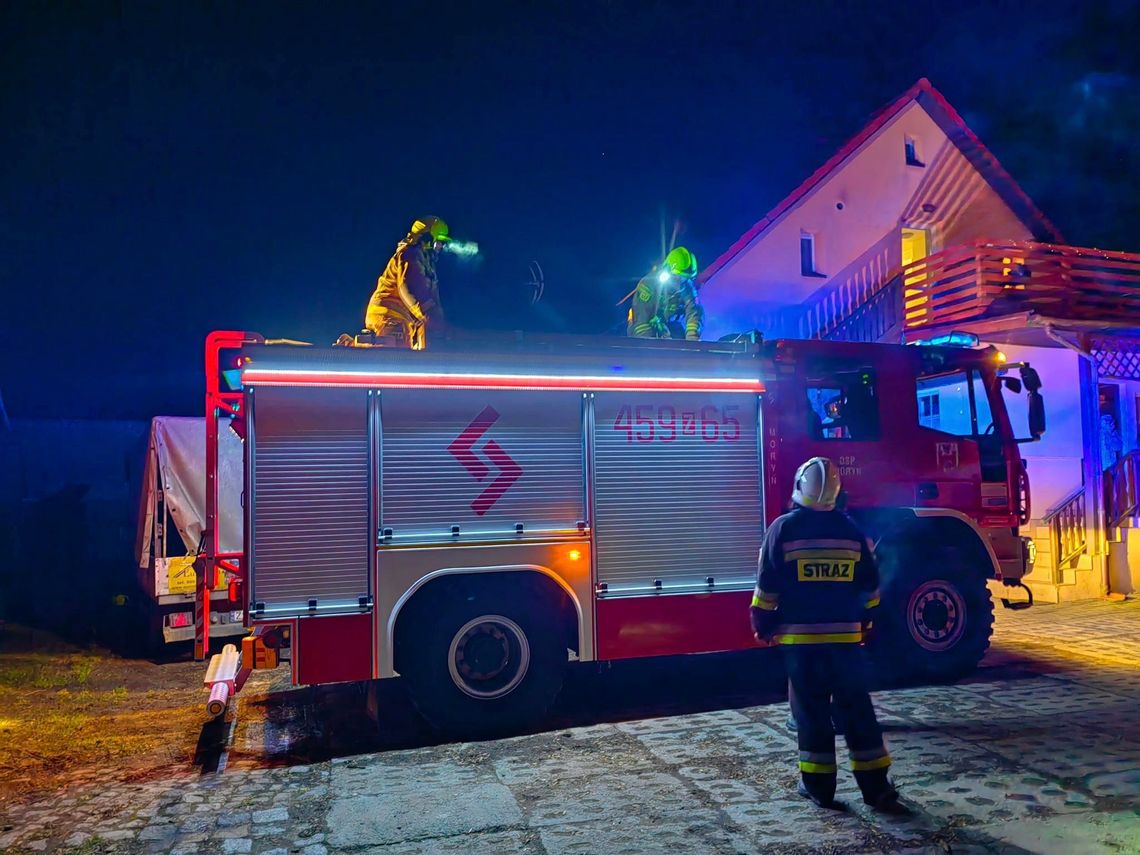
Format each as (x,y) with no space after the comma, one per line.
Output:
(988,279)
(1066,521)
(1120,494)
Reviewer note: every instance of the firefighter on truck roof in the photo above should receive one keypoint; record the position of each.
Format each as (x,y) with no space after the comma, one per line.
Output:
(665,300)
(406,303)
(816,588)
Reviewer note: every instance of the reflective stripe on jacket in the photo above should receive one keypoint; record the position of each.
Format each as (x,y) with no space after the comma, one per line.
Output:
(816,581)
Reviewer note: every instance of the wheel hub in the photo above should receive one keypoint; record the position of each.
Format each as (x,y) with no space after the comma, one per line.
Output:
(936,615)
(488,657)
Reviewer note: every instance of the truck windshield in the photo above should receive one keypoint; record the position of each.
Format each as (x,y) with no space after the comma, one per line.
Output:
(955,403)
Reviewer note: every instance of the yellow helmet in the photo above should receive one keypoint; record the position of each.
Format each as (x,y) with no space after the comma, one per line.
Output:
(817,485)
(432,226)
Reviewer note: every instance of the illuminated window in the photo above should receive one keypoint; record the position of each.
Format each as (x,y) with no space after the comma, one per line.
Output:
(911,148)
(843,406)
(954,403)
(807,255)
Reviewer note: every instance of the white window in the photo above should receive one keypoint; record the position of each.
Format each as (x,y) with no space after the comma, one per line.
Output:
(807,255)
(910,146)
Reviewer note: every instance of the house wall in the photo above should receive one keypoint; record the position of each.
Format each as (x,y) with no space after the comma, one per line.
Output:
(874,186)
(877,190)
(1054,463)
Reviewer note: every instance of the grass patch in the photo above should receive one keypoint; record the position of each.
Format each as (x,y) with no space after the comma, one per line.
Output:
(63,714)
(41,671)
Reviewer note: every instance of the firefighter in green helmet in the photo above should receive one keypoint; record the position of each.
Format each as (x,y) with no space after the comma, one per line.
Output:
(665,300)
(406,303)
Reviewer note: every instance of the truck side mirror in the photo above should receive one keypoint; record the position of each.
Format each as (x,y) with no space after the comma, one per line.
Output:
(1012,383)
(1036,414)
(1030,378)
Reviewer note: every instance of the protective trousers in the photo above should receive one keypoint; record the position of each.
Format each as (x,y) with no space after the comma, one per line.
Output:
(817,675)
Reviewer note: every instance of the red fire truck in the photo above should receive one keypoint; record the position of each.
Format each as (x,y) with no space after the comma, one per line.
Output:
(474,516)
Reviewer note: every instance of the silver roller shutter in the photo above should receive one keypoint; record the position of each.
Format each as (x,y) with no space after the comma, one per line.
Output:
(677,491)
(310,511)
(484,461)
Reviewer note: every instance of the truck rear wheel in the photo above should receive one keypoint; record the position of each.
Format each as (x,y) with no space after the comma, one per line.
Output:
(935,620)
(478,667)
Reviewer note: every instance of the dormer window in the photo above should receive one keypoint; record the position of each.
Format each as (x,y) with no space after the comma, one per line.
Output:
(807,255)
(910,146)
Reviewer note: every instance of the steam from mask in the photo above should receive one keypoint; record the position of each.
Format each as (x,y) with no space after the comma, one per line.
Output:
(464,249)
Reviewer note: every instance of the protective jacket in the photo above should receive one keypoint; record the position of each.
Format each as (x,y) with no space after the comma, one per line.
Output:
(407,293)
(657,307)
(817,580)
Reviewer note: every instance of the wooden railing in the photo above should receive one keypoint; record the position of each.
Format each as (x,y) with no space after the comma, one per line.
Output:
(1120,494)
(845,295)
(987,278)
(875,319)
(1066,521)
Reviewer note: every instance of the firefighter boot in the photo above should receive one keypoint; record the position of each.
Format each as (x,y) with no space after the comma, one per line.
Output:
(879,793)
(820,799)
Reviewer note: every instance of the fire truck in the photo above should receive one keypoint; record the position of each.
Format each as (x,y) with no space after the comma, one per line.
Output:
(475,516)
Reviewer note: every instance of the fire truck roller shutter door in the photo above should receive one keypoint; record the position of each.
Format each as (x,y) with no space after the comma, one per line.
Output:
(677,491)
(936,612)
(485,653)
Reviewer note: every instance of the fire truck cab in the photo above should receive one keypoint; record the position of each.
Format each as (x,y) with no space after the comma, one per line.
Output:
(474,516)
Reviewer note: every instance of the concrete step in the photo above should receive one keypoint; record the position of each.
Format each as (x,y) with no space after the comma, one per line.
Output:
(1043,592)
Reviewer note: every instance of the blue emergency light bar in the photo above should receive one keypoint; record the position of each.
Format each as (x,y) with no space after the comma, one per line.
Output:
(953,339)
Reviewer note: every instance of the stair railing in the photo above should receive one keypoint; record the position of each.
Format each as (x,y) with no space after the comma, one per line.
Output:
(1066,521)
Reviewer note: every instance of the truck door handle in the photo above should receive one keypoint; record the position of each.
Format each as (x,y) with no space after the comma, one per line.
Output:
(928,490)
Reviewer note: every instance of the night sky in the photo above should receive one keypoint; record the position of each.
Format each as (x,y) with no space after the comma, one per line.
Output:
(172,168)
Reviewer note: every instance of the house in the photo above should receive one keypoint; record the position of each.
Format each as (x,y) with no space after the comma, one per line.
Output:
(913,230)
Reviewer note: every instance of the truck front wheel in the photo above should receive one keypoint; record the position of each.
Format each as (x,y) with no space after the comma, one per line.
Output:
(477,667)
(935,620)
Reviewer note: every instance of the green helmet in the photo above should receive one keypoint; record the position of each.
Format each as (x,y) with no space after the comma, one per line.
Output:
(681,262)
(432,226)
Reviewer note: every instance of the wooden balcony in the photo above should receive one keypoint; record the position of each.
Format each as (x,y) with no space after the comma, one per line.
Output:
(989,280)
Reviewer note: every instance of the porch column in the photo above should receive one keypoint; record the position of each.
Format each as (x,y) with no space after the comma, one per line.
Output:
(1095,533)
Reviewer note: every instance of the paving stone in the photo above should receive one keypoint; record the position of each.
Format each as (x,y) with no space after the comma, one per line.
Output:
(237,845)
(696,831)
(556,802)
(158,832)
(683,722)
(426,812)
(491,843)
(278,814)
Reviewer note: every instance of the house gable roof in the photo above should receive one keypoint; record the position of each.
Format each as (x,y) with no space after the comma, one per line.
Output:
(959,133)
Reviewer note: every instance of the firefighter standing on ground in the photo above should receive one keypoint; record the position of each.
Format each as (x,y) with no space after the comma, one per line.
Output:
(816,588)
(406,301)
(665,300)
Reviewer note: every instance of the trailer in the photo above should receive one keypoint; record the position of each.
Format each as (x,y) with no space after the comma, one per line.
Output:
(171,520)
(475,516)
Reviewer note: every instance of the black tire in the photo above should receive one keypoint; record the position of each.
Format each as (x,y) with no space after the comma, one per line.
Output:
(482,665)
(935,619)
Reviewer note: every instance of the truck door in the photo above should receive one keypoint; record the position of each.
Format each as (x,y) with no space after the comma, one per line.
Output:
(965,465)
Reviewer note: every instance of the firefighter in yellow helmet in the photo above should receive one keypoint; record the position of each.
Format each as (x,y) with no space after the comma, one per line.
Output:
(816,587)
(665,300)
(406,299)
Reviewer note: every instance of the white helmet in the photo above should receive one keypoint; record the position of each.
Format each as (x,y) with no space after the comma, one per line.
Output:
(817,485)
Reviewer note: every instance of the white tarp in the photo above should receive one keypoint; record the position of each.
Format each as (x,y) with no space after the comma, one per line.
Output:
(176,454)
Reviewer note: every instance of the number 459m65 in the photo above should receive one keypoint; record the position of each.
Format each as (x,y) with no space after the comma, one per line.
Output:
(664,423)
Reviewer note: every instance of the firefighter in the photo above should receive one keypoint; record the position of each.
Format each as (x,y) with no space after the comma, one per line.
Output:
(406,301)
(665,300)
(816,587)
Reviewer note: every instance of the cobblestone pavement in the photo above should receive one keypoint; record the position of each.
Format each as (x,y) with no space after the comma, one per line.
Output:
(1039,752)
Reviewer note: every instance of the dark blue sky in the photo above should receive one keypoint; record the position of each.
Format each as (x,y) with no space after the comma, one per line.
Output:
(171,168)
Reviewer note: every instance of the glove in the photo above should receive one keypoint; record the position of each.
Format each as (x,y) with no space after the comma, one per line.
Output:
(763,624)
